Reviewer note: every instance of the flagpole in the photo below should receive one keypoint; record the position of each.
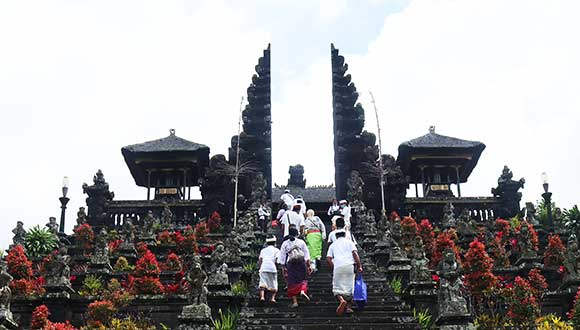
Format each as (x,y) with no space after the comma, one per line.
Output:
(237,164)
(381,179)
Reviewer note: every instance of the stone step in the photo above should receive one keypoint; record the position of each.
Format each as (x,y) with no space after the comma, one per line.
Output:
(339,326)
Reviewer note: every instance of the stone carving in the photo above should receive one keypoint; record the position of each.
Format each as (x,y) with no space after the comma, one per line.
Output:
(19,233)
(369,223)
(449,216)
(259,191)
(352,146)
(296,176)
(197,278)
(466,226)
(98,194)
(149,223)
(507,192)
(355,186)
(81,217)
(100,258)
(572,261)
(396,184)
(218,271)
(255,141)
(217,189)
(128,231)
(57,271)
(451,301)
(531,214)
(6,321)
(52,226)
(419,263)
(233,246)
(166,215)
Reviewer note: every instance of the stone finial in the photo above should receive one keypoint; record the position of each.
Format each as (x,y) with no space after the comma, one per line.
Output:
(432,129)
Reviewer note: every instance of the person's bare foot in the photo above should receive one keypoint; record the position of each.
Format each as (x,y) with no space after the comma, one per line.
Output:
(294,305)
(272,301)
(304,295)
(341,308)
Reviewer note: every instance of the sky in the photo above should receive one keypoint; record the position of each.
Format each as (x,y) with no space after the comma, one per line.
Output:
(81,79)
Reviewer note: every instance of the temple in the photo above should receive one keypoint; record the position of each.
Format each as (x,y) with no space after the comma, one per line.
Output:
(170,261)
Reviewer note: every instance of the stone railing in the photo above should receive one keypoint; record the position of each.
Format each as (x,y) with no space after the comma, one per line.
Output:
(183,210)
(482,209)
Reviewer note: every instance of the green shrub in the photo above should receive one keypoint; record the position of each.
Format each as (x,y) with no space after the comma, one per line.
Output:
(226,321)
(39,242)
(240,288)
(424,318)
(92,286)
(396,284)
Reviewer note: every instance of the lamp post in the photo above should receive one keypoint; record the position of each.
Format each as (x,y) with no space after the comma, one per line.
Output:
(63,201)
(547,200)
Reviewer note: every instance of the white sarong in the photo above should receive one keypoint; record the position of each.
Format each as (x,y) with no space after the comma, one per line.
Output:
(343,281)
(269,281)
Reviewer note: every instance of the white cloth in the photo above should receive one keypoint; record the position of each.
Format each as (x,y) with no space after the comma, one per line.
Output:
(345,211)
(269,256)
(333,208)
(280,214)
(292,218)
(341,252)
(268,281)
(302,203)
(288,245)
(343,281)
(288,199)
(263,212)
(315,223)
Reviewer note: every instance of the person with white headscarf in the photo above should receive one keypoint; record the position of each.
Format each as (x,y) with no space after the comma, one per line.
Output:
(315,234)
(288,199)
(268,272)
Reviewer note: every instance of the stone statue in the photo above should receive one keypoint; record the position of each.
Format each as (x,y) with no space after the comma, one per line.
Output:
(197,279)
(369,223)
(149,222)
(81,217)
(507,192)
(233,246)
(19,233)
(57,271)
(466,225)
(450,297)
(52,226)
(128,231)
(531,214)
(258,184)
(218,259)
(98,195)
(572,261)
(449,216)
(166,215)
(355,186)
(296,176)
(419,263)
(397,230)
(6,321)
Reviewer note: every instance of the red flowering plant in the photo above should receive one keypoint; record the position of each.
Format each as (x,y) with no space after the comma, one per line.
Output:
(478,267)
(146,275)
(84,236)
(443,241)
(39,318)
(186,242)
(173,263)
(503,229)
(214,221)
(496,250)
(538,283)
(393,215)
(165,238)
(201,231)
(574,313)
(20,267)
(206,250)
(408,232)
(114,245)
(533,235)
(99,313)
(523,306)
(554,254)
(425,230)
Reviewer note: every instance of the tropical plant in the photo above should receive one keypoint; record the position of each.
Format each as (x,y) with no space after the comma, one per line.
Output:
(574,314)
(250,267)
(84,236)
(424,318)
(122,265)
(396,284)
(571,220)
(146,275)
(240,288)
(478,268)
(443,241)
(116,294)
(39,242)
(226,321)
(552,322)
(425,230)
(100,312)
(554,254)
(92,286)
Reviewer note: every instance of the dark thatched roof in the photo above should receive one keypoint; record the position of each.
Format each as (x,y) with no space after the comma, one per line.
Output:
(172,143)
(310,194)
(436,149)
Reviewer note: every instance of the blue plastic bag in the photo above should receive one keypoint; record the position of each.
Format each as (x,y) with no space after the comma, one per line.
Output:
(360,291)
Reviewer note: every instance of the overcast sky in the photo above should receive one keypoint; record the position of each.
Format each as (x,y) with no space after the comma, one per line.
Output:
(81,79)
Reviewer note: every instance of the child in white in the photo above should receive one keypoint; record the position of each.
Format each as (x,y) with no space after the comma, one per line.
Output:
(268,272)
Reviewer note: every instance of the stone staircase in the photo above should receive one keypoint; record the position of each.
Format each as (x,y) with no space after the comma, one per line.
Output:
(384,310)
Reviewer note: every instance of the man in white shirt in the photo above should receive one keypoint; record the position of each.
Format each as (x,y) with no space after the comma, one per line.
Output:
(268,272)
(340,225)
(293,218)
(342,257)
(263,216)
(300,201)
(345,211)
(288,199)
